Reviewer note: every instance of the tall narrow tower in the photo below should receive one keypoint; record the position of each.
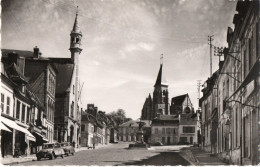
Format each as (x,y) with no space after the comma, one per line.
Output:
(75,42)
(160,94)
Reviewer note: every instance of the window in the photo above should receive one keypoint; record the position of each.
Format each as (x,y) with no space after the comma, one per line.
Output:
(18,104)
(23,113)
(173,131)
(2,102)
(28,114)
(245,64)
(163,131)
(8,105)
(164,92)
(83,128)
(168,131)
(250,56)
(227,89)
(72,109)
(189,129)
(49,81)
(156,130)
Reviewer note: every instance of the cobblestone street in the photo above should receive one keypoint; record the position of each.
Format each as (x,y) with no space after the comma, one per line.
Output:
(118,154)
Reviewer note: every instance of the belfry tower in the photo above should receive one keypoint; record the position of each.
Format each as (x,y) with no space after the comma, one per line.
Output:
(75,43)
(160,94)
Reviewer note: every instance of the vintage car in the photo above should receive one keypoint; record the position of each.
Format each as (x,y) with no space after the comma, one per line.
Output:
(68,148)
(51,151)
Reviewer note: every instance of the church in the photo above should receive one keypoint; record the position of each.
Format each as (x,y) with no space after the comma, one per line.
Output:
(171,123)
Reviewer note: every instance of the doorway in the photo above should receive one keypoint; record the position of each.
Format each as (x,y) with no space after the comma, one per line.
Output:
(168,140)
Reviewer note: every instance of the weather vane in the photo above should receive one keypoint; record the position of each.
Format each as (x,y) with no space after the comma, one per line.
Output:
(161,59)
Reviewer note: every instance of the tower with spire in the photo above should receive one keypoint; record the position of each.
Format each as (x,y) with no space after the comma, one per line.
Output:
(75,41)
(160,94)
(75,49)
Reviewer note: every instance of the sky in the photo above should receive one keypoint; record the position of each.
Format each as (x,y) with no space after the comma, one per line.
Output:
(122,43)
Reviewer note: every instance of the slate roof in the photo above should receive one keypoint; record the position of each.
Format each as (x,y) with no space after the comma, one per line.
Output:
(178,100)
(15,75)
(22,53)
(63,79)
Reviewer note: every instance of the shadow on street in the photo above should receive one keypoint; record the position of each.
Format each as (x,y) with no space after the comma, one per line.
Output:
(163,158)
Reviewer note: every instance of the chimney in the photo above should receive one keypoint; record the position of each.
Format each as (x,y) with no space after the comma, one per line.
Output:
(36,52)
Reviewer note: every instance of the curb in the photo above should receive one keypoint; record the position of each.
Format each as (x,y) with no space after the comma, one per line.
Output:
(192,164)
(198,162)
(17,162)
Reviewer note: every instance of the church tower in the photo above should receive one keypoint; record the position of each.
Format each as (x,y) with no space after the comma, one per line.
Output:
(160,94)
(75,43)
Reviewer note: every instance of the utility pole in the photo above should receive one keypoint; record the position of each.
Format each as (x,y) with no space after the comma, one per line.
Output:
(210,39)
(198,84)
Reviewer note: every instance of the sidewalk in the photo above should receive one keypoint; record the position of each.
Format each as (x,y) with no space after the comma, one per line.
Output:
(10,160)
(199,157)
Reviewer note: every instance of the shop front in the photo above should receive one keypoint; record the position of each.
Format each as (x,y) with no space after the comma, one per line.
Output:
(6,140)
(19,139)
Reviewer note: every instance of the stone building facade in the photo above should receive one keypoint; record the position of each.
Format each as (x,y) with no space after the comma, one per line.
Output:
(238,89)
(21,110)
(67,106)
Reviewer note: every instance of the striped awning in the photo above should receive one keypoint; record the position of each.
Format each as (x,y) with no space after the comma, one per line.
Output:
(3,127)
(12,124)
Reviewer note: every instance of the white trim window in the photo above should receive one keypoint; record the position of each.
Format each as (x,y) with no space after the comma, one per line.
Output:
(2,102)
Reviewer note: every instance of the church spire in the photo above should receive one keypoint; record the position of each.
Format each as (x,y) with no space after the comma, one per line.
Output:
(161,80)
(76,28)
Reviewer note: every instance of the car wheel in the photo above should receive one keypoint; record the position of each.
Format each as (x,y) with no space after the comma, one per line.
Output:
(38,158)
(62,156)
(72,153)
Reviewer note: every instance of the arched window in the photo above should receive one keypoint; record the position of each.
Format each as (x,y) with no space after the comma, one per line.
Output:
(164,92)
(187,110)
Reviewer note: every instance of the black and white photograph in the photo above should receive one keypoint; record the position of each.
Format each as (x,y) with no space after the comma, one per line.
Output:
(130,82)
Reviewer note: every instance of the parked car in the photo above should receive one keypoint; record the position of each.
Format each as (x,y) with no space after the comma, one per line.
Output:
(68,148)
(51,151)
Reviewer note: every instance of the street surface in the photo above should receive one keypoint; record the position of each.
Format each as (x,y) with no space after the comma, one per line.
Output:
(118,154)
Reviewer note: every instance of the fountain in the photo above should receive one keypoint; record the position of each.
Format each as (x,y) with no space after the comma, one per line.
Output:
(140,137)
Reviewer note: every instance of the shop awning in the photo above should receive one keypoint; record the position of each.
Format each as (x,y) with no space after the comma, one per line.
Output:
(253,73)
(43,137)
(3,127)
(14,125)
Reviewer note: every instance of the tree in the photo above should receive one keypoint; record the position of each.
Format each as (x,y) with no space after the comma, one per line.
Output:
(119,116)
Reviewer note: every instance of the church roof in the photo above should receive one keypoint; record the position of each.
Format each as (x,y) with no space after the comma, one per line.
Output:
(161,79)
(178,100)
(64,76)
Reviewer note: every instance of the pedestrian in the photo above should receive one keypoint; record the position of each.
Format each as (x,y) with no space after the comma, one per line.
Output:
(93,145)
(73,143)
